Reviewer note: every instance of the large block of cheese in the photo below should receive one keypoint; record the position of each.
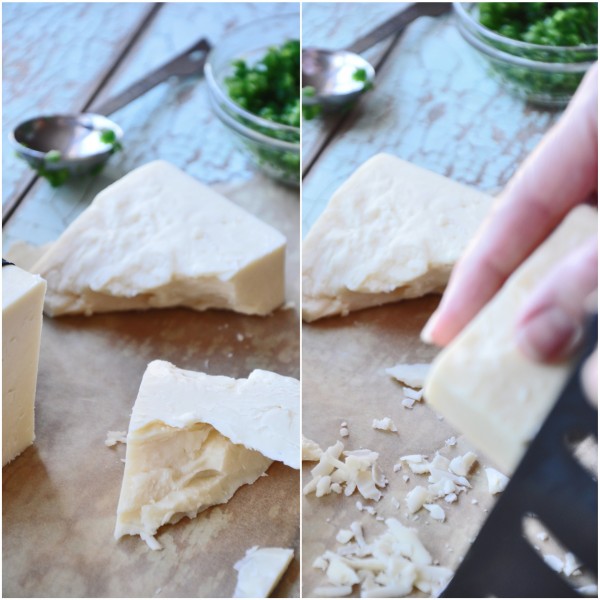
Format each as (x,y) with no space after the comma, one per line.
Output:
(482,383)
(194,439)
(157,238)
(22,303)
(392,231)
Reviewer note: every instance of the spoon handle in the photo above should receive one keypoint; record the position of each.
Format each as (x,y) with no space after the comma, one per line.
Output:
(398,22)
(190,62)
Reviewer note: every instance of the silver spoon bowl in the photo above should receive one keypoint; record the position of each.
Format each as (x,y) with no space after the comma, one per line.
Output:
(81,144)
(77,143)
(336,76)
(333,75)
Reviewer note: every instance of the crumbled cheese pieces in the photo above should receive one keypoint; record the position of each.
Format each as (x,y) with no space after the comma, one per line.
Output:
(115,437)
(359,471)
(260,570)
(311,451)
(391,231)
(385,424)
(496,480)
(482,382)
(446,478)
(158,238)
(392,565)
(411,375)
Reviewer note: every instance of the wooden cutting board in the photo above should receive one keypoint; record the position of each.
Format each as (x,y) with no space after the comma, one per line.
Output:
(60,496)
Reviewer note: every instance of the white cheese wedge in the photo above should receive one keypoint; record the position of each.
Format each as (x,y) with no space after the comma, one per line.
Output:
(482,383)
(22,303)
(194,439)
(391,231)
(260,571)
(158,238)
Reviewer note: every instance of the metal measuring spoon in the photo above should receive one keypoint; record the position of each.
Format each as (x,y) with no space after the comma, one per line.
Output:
(66,145)
(337,77)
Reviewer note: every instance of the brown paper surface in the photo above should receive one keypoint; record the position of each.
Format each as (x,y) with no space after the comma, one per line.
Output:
(60,496)
(344,361)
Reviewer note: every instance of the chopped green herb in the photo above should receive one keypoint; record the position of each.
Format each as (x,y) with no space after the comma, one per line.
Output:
(572,27)
(53,156)
(360,75)
(108,136)
(56,177)
(311,112)
(270,89)
(543,23)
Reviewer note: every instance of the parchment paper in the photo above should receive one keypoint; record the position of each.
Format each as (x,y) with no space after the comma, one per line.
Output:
(60,496)
(344,361)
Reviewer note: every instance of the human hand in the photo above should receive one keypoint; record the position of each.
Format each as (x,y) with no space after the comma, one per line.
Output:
(561,173)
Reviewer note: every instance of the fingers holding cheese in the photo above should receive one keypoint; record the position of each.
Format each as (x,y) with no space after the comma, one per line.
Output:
(561,173)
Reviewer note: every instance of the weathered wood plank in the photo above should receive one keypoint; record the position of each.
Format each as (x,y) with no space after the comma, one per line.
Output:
(50,67)
(336,26)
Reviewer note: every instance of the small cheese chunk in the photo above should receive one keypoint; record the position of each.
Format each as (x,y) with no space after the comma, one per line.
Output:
(461,465)
(416,498)
(260,571)
(496,480)
(391,231)
(311,451)
(22,303)
(115,437)
(436,511)
(385,424)
(158,238)
(194,439)
(412,375)
(482,382)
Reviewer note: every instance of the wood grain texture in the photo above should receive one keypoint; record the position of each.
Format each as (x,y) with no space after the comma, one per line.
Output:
(53,55)
(335,26)
(433,105)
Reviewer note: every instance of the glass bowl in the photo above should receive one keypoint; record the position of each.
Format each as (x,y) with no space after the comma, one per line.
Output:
(544,75)
(272,147)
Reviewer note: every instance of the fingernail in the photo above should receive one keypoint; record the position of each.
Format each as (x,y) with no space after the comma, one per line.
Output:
(427,333)
(550,335)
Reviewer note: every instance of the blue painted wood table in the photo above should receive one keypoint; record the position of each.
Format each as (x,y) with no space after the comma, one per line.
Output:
(60,496)
(434,105)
